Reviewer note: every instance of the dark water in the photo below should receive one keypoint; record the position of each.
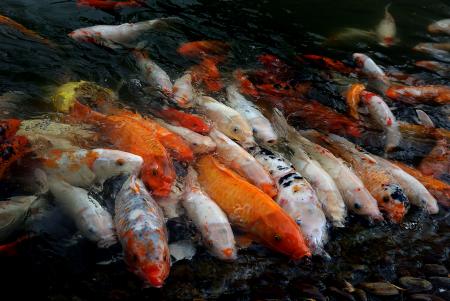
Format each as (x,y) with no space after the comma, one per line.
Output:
(74,270)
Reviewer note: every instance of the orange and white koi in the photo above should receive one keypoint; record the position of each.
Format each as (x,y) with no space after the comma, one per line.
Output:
(183,92)
(441,26)
(386,29)
(420,94)
(93,221)
(377,78)
(251,210)
(142,232)
(209,219)
(238,159)
(262,129)
(227,120)
(383,117)
(378,180)
(439,51)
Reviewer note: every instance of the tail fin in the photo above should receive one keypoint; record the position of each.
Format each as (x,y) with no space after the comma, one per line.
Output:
(280,124)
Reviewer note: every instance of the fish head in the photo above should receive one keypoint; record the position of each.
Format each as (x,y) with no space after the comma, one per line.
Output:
(240,131)
(195,123)
(394,203)
(366,205)
(83,35)
(279,232)
(111,163)
(157,177)
(206,145)
(359,59)
(97,225)
(223,244)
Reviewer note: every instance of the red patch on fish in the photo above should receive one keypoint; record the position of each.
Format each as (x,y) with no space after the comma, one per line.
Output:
(190,121)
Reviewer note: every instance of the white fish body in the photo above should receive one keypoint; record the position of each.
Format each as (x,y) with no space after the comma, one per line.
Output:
(441,26)
(262,129)
(115,36)
(85,167)
(386,29)
(183,92)
(13,213)
(377,78)
(414,190)
(424,119)
(199,144)
(296,197)
(93,221)
(209,219)
(238,159)
(384,118)
(227,120)
(154,74)
(356,197)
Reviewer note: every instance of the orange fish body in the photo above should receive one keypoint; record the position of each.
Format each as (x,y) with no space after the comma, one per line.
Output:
(109,4)
(439,189)
(8,128)
(190,121)
(13,24)
(250,209)
(244,84)
(208,74)
(420,94)
(11,151)
(437,163)
(201,49)
(127,134)
(422,131)
(353,99)
(326,62)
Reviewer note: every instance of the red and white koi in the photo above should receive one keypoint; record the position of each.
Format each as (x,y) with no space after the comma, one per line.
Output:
(420,94)
(93,221)
(154,75)
(262,129)
(383,117)
(441,26)
(142,232)
(386,29)
(377,77)
(183,92)
(238,159)
(209,219)
(297,197)
(227,120)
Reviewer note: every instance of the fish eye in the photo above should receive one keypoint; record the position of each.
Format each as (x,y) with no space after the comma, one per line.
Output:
(357,206)
(386,199)
(154,172)
(277,237)
(235,129)
(120,162)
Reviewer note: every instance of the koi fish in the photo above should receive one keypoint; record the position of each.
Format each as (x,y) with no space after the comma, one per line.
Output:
(83,168)
(386,29)
(13,213)
(238,159)
(209,219)
(25,31)
(422,131)
(117,36)
(227,120)
(353,98)
(155,76)
(439,189)
(326,62)
(11,151)
(326,189)
(183,93)
(437,162)
(250,209)
(109,4)
(244,84)
(262,129)
(202,49)
(8,128)
(93,221)
(383,117)
(198,143)
(208,74)
(424,119)
(439,51)
(417,193)
(142,232)
(441,26)
(297,198)
(377,78)
(190,121)
(420,94)
(378,180)
(131,136)
(439,68)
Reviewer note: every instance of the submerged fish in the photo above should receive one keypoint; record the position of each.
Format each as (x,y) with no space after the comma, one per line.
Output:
(209,219)
(386,29)
(117,36)
(441,26)
(201,49)
(208,74)
(326,62)
(353,98)
(142,232)
(325,187)
(417,194)
(262,129)
(437,162)
(198,143)
(110,4)
(183,92)
(155,76)
(250,209)
(377,78)
(383,117)
(238,159)
(439,51)
(297,198)
(378,180)
(13,213)
(227,120)
(93,221)
(25,31)
(83,168)
(420,94)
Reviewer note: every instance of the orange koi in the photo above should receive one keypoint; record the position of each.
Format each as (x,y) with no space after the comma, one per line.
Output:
(130,135)
(244,84)
(11,151)
(326,62)
(110,5)
(437,162)
(420,94)
(8,128)
(190,121)
(201,49)
(353,98)
(25,31)
(422,131)
(250,209)
(439,189)
(208,74)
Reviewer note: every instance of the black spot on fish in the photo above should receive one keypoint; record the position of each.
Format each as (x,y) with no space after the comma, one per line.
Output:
(386,199)
(297,177)
(285,178)
(282,167)
(266,152)
(272,157)
(399,195)
(286,184)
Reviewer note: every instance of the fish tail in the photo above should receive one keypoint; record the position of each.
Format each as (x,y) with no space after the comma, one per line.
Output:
(386,8)
(281,126)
